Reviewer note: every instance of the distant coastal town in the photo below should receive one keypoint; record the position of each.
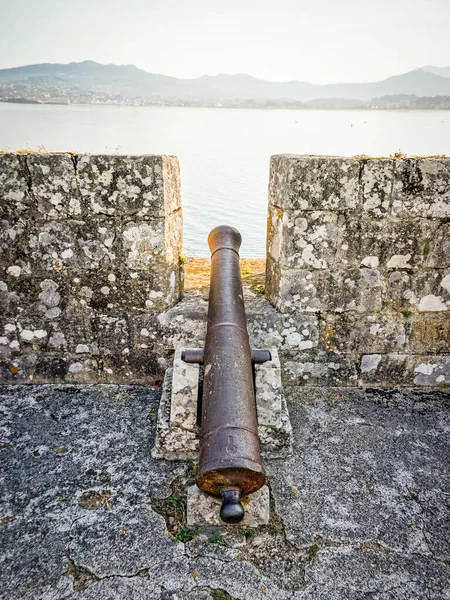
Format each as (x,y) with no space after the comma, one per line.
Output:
(29,94)
(89,82)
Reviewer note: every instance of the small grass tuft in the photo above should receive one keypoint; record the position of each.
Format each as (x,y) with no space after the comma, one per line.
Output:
(406,314)
(182,259)
(312,551)
(247,533)
(426,247)
(217,539)
(186,534)
(178,502)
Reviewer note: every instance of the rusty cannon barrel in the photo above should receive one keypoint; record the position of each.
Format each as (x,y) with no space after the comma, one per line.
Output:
(230,457)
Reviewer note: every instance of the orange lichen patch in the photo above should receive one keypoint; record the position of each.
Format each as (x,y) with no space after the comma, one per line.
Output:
(329,332)
(197,271)
(57,266)
(14,369)
(40,150)
(294,490)
(195,575)
(26,151)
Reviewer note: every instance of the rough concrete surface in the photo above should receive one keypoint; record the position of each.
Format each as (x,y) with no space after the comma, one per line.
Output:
(359,511)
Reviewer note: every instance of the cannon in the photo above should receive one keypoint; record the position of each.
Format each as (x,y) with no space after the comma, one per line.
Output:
(230,464)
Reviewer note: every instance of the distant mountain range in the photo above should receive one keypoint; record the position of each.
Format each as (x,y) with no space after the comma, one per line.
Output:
(92,82)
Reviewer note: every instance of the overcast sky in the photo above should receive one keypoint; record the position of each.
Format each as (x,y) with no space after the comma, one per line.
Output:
(312,40)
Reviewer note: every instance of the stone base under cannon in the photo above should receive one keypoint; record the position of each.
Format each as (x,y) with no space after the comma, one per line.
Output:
(177,435)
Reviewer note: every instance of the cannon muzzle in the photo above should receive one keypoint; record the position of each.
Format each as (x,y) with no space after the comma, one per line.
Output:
(230,457)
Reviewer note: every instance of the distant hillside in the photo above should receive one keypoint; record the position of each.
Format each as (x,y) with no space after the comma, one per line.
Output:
(93,82)
(442,71)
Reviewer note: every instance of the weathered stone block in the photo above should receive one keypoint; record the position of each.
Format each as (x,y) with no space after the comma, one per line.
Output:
(314,182)
(131,368)
(14,245)
(9,339)
(33,332)
(8,299)
(377,178)
(422,187)
(321,291)
(273,280)
(268,328)
(14,180)
(184,398)
(21,368)
(387,244)
(432,290)
(74,335)
(302,239)
(437,247)
(203,509)
(264,322)
(383,369)
(173,442)
(173,235)
(147,332)
(145,186)
(183,325)
(41,295)
(69,368)
(74,244)
(112,290)
(323,368)
(53,186)
(300,331)
(377,333)
(270,390)
(425,290)
(432,370)
(112,334)
(146,248)
(430,333)
(400,295)
(143,244)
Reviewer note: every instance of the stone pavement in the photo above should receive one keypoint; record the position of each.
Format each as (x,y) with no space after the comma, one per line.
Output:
(360,511)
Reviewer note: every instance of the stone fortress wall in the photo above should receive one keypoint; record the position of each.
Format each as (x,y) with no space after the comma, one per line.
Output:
(90,249)
(358,270)
(358,257)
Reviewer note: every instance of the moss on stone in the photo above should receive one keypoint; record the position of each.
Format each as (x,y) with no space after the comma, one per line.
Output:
(220,595)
